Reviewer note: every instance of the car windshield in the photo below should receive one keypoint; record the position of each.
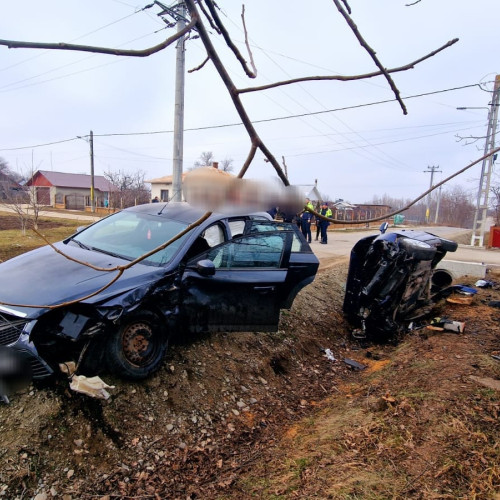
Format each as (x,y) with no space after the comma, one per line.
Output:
(129,235)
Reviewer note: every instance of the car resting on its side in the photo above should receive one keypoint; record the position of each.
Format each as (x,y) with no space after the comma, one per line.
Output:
(232,272)
(392,280)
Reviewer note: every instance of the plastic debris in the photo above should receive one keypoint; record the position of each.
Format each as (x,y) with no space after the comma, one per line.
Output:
(465,290)
(329,355)
(483,284)
(454,326)
(91,386)
(354,364)
(442,324)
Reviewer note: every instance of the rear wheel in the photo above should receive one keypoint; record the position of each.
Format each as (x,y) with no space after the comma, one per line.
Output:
(137,348)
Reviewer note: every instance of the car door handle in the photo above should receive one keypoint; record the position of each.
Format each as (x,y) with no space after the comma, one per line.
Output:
(264,289)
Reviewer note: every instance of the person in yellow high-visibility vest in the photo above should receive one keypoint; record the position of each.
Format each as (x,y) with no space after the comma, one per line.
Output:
(323,224)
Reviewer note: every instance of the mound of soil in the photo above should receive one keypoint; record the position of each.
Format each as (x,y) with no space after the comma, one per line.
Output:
(223,406)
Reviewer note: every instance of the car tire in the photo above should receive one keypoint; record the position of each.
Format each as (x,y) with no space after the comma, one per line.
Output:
(136,348)
(418,249)
(448,245)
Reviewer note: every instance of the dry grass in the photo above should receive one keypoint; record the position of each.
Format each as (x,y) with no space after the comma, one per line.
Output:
(13,242)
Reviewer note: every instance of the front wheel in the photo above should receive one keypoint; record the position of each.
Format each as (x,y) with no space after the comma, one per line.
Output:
(136,349)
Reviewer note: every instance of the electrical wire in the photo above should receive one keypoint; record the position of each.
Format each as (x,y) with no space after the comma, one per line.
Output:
(265,120)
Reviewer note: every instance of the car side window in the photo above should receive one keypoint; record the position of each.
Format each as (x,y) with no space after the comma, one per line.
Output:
(250,251)
(298,242)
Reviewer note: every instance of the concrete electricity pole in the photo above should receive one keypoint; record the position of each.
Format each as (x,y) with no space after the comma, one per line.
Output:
(178,12)
(431,170)
(481,213)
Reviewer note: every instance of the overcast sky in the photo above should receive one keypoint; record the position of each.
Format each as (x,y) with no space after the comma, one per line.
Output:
(369,149)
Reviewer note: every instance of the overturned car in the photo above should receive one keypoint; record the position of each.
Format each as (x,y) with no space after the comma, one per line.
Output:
(229,273)
(393,280)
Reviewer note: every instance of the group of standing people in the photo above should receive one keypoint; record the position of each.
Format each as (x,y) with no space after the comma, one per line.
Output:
(306,219)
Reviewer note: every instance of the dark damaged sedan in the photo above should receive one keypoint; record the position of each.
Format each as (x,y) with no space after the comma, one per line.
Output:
(230,273)
(393,279)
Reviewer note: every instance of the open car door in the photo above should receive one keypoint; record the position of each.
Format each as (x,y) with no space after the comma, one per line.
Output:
(237,285)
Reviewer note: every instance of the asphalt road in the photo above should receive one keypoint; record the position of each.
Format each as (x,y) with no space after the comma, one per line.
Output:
(340,243)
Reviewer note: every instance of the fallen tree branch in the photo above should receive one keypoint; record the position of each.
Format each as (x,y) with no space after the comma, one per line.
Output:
(14,44)
(347,78)
(399,210)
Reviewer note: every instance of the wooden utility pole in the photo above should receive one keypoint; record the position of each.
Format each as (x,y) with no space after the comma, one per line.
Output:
(92,191)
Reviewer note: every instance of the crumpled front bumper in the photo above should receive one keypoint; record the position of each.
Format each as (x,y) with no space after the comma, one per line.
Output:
(15,335)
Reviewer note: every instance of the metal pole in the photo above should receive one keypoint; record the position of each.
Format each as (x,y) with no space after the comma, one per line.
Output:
(92,197)
(179,108)
(481,212)
(437,205)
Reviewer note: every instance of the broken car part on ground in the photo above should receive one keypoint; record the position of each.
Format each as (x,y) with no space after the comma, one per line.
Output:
(230,273)
(393,278)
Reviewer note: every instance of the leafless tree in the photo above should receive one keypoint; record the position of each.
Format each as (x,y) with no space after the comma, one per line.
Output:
(495,191)
(226,165)
(22,200)
(128,189)
(205,160)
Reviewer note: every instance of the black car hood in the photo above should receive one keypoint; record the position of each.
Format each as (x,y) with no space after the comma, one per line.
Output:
(43,277)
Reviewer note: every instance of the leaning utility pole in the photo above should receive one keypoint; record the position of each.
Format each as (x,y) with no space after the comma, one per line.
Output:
(178,12)
(481,212)
(431,170)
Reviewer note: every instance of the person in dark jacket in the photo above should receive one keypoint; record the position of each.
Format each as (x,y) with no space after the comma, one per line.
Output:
(305,224)
(323,224)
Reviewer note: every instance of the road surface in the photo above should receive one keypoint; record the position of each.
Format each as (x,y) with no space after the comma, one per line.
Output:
(340,243)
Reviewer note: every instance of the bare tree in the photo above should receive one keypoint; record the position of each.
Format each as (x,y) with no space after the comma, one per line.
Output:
(127,189)
(20,199)
(495,190)
(226,165)
(205,160)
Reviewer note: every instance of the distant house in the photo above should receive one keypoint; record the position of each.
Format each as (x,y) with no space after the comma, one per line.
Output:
(70,191)
(343,210)
(9,189)
(310,191)
(163,186)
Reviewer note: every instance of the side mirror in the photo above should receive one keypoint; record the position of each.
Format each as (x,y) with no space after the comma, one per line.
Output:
(81,228)
(205,267)
(383,227)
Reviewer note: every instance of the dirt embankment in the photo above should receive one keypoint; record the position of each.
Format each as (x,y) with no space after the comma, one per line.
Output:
(269,416)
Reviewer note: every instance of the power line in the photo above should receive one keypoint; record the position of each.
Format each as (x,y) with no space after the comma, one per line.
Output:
(265,120)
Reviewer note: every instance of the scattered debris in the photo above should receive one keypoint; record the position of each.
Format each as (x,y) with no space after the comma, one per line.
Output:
(91,386)
(484,284)
(442,324)
(491,383)
(354,364)
(464,301)
(494,303)
(465,290)
(329,354)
